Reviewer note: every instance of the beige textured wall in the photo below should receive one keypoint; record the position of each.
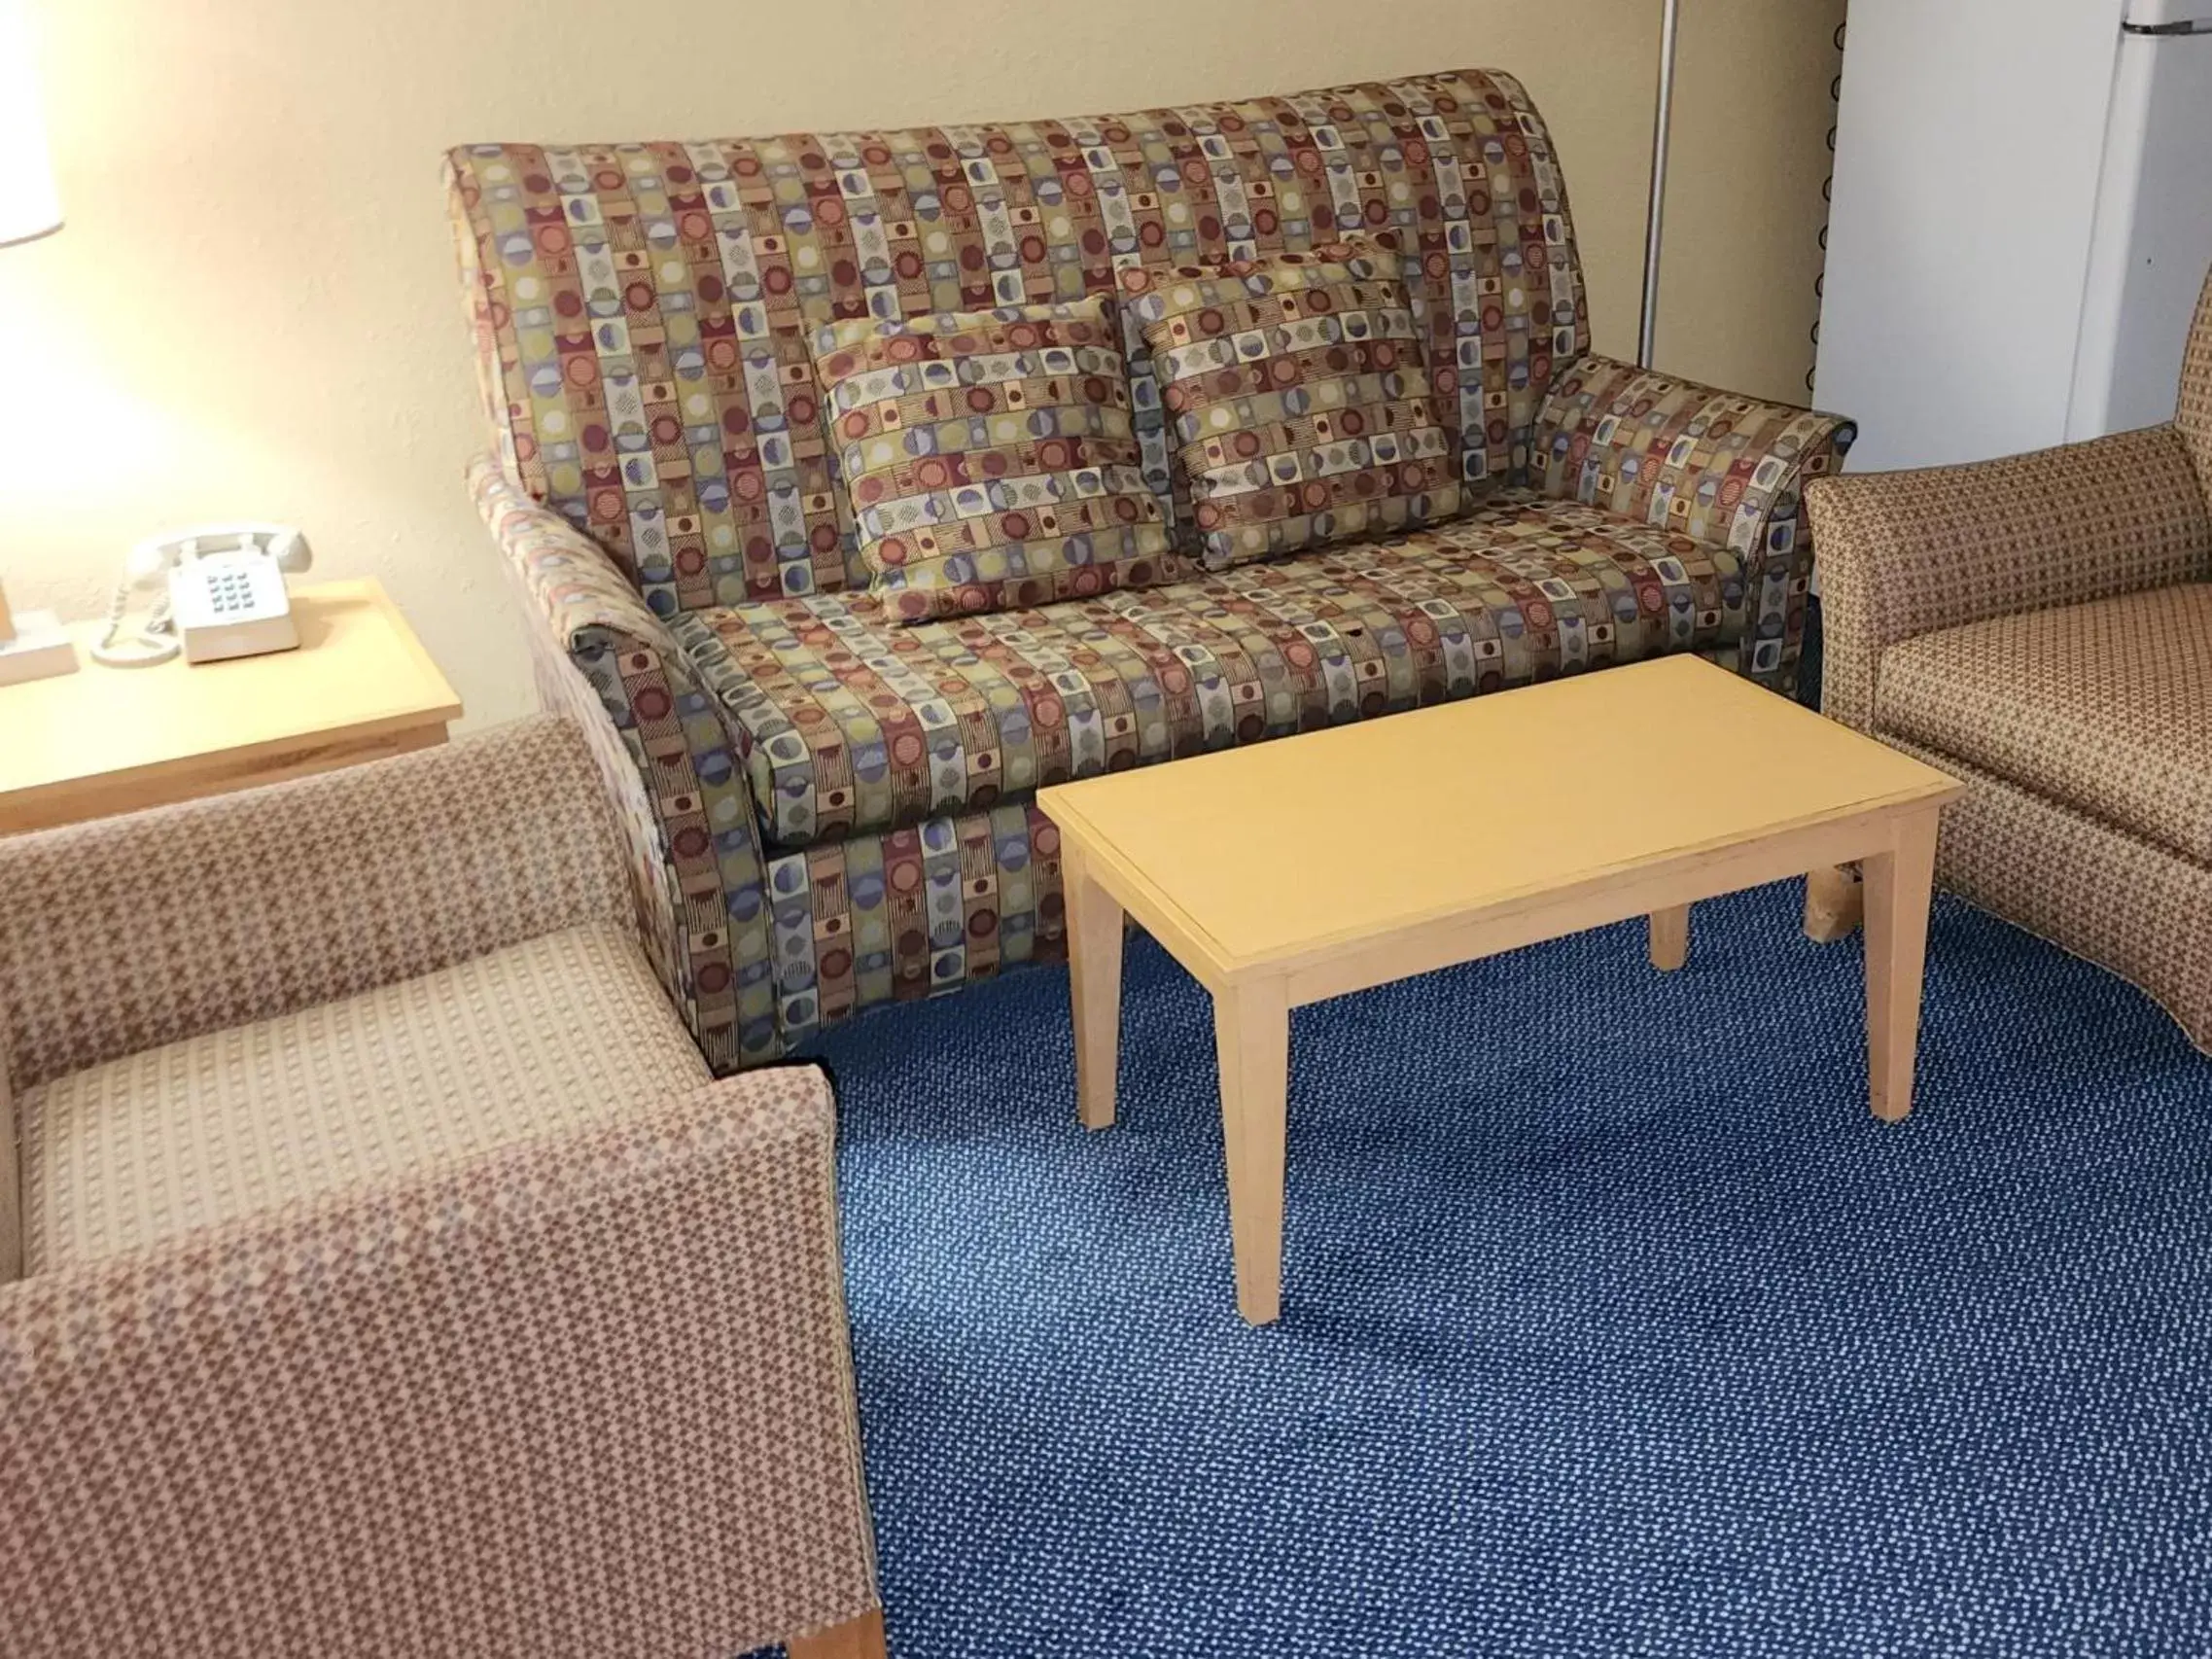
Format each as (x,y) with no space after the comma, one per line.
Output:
(252,310)
(1743,203)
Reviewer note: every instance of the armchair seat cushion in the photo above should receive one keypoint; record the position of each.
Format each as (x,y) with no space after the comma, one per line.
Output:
(854,725)
(557,1032)
(2105,707)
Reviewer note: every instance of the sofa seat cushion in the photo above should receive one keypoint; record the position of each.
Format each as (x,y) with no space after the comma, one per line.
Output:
(857,724)
(2104,707)
(550,1033)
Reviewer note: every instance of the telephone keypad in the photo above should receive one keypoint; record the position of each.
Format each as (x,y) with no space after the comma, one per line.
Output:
(229,591)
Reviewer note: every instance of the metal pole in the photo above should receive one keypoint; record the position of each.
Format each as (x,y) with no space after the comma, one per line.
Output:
(1648,328)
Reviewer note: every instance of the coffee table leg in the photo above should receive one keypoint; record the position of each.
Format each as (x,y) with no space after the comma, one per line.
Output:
(1094,979)
(1670,937)
(1899,886)
(1251,1033)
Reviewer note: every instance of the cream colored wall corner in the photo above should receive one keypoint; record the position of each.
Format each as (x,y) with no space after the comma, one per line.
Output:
(252,310)
(1745,206)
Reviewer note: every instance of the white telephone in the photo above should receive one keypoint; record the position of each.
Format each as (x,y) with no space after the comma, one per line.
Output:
(226,595)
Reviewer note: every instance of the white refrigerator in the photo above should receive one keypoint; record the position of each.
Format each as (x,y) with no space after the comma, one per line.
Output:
(2020,221)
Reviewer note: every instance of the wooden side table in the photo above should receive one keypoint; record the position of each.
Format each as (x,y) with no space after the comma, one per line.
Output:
(107,740)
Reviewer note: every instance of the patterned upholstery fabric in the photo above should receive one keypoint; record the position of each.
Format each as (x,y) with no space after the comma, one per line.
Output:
(989,459)
(758,950)
(854,725)
(556,1366)
(1301,402)
(1720,469)
(642,311)
(2039,627)
(590,1393)
(281,899)
(643,316)
(913,914)
(2104,707)
(548,1035)
(672,765)
(1909,553)
(2099,891)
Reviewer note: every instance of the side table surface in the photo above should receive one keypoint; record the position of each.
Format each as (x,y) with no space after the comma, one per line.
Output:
(108,740)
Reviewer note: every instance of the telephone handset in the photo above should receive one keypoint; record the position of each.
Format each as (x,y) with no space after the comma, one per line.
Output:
(225,596)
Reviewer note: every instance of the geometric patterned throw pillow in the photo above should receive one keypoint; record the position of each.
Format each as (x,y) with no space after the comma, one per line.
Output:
(1300,400)
(989,458)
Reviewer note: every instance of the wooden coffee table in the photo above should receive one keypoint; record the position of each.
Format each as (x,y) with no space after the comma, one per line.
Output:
(1295,871)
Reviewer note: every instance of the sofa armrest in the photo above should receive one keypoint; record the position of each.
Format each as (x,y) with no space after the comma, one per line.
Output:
(670,763)
(572,585)
(1909,553)
(588,1394)
(1726,471)
(129,932)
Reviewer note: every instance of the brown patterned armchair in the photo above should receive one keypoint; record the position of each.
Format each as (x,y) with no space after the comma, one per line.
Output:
(2041,627)
(380,1270)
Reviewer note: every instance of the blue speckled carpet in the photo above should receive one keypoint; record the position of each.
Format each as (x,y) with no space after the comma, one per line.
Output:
(1613,1323)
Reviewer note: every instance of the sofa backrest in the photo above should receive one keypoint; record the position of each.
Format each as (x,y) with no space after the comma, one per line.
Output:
(641,309)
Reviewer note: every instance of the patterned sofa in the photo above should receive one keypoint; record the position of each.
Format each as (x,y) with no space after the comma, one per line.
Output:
(831,810)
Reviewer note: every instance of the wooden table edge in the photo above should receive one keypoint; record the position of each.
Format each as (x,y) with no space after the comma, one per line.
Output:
(1169,922)
(157,775)
(1314,967)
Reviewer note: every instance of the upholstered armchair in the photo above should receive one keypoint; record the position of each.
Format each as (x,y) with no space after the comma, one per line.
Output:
(380,1269)
(2041,627)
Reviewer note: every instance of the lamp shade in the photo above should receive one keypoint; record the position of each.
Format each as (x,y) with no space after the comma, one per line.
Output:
(28,205)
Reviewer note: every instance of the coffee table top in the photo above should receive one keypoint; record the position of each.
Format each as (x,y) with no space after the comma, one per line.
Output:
(1272,852)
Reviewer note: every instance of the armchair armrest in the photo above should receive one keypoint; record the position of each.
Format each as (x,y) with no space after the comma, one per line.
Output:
(1727,470)
(1911,552)
(129,932)
(672,766)
(590,1394)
